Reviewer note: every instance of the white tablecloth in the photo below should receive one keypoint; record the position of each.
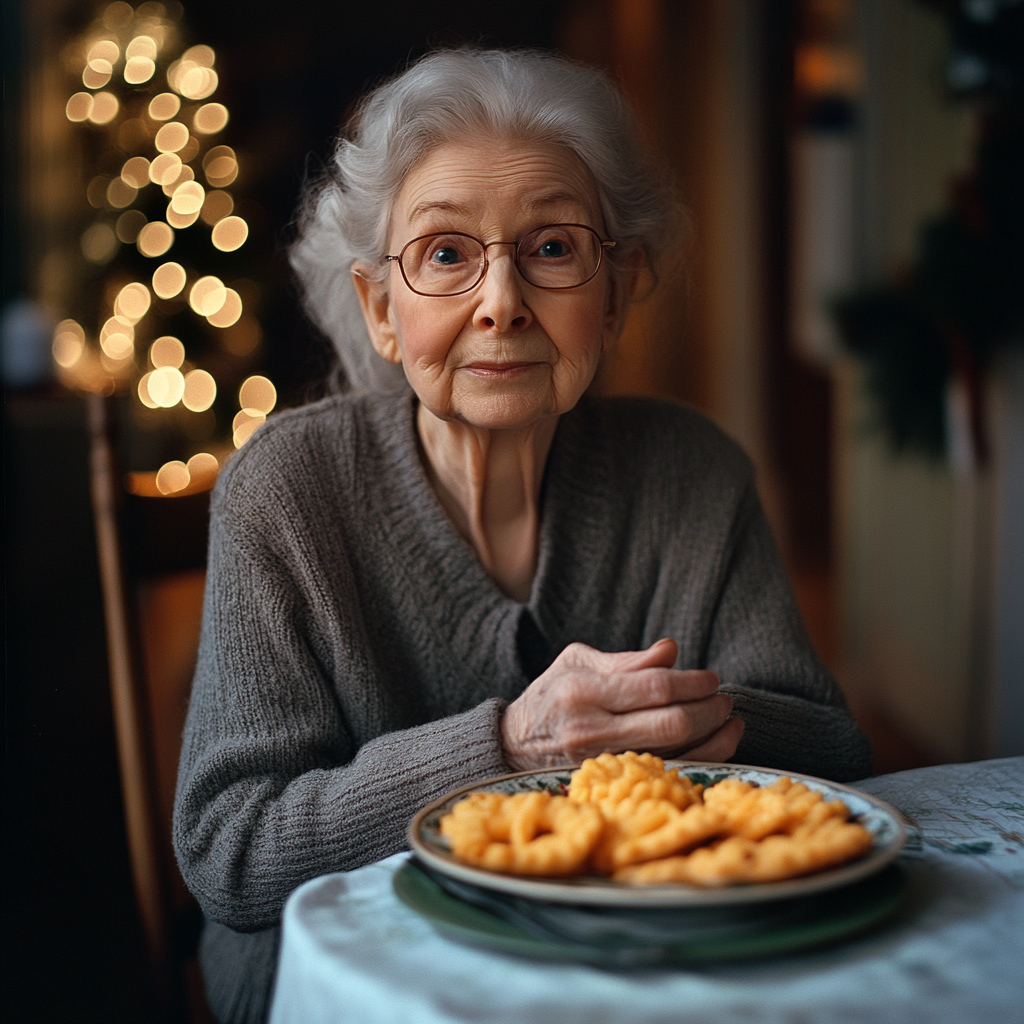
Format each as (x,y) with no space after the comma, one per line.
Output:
(953,953)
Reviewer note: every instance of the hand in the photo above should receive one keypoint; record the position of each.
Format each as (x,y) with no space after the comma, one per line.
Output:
(589,702)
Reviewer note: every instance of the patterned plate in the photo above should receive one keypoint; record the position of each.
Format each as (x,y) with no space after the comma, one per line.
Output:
(882,821)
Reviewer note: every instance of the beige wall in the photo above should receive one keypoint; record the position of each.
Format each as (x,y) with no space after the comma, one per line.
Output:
(907,545)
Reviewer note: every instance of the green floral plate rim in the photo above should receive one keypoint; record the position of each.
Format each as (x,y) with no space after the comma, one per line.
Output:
(884,823)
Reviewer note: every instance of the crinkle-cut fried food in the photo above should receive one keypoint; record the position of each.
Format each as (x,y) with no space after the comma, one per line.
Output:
(524,834)
(640,830)
(771,859)
(755,812)
(615,777)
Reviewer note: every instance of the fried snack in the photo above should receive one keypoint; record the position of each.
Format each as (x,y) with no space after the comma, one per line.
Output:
(627,816)
(524,834)
(641,830)
(754,812)
(771,859)
(630,776)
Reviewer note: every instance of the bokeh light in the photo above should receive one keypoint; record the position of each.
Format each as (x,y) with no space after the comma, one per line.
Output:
(243,425)
(96,191)
(229,313)
(136,171)
(188,197)
(201,54)
(171,137)
(97,73)
(99,243)
(165,168)
(155,238)
(142,46)
(167,351)
(166,385)
(203,469)
(216,206)
(190,151)
(133,301)
(208,295)
(105,106)
(259,394)
(164,106)
(230,234)
(143,390)
(180,220)
(104,49)
(221,166)
(117,338)
(79,107)
(185,174)
(172,477)
(118,15)
(210,118)
(120,194)
(168,280)
(129,224)
(200,391)
(68,343)
(138,70)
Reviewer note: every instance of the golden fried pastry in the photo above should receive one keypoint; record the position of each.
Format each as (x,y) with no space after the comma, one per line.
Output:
(524,834)
(643,830)
(755,812)
(616,777)
(627,816)
(771,859)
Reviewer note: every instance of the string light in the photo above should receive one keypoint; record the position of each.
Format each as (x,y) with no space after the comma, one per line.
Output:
(230,234)
(155,238)
(156,136)
(257,394)
(200,391)
(229,312)
(167,351)
(163,107)
(168,280)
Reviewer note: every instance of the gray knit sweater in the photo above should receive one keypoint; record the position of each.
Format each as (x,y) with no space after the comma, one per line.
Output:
(355,657)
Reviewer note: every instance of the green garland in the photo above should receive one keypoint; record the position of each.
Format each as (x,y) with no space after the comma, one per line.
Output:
(964,296)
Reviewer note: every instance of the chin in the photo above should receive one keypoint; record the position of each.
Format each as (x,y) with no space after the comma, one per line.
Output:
(504,412)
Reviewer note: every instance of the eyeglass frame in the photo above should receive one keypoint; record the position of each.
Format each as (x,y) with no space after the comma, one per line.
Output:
(606,243)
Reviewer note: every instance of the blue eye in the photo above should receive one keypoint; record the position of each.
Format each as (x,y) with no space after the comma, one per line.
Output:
(553,248)
(446,255)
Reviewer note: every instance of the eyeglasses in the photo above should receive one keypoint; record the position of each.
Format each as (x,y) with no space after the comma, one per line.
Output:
(451,263)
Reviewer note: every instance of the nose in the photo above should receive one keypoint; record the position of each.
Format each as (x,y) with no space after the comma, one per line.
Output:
(500,304)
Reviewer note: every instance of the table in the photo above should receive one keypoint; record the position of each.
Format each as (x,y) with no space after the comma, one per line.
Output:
(954,952)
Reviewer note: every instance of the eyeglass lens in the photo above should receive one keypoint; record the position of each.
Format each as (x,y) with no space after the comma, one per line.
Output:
(554,256)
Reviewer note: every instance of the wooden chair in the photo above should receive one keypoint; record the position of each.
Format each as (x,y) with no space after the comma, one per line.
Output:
(152,556)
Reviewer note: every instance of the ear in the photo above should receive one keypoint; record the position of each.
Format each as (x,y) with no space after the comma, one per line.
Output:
(623,283)
(375,301)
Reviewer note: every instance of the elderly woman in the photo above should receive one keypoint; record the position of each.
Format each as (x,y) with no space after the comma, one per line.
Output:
(464,565)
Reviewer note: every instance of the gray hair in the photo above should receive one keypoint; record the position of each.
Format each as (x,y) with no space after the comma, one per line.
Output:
(449,96)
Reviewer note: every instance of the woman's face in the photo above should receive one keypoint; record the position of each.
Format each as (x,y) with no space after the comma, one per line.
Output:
(506,353)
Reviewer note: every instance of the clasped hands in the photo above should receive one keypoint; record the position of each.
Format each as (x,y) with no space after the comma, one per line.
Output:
(589,702)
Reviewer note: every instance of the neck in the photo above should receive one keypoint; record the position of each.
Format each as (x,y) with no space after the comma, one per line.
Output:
(488,481)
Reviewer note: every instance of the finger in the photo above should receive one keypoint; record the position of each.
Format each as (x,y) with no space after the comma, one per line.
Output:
(655,688)
(721,746)
(672,728)
(661,654)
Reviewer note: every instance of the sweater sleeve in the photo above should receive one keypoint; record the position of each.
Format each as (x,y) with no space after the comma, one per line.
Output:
(795,714)
(273,789)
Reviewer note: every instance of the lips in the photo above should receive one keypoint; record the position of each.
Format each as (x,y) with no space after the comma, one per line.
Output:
(499,370)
